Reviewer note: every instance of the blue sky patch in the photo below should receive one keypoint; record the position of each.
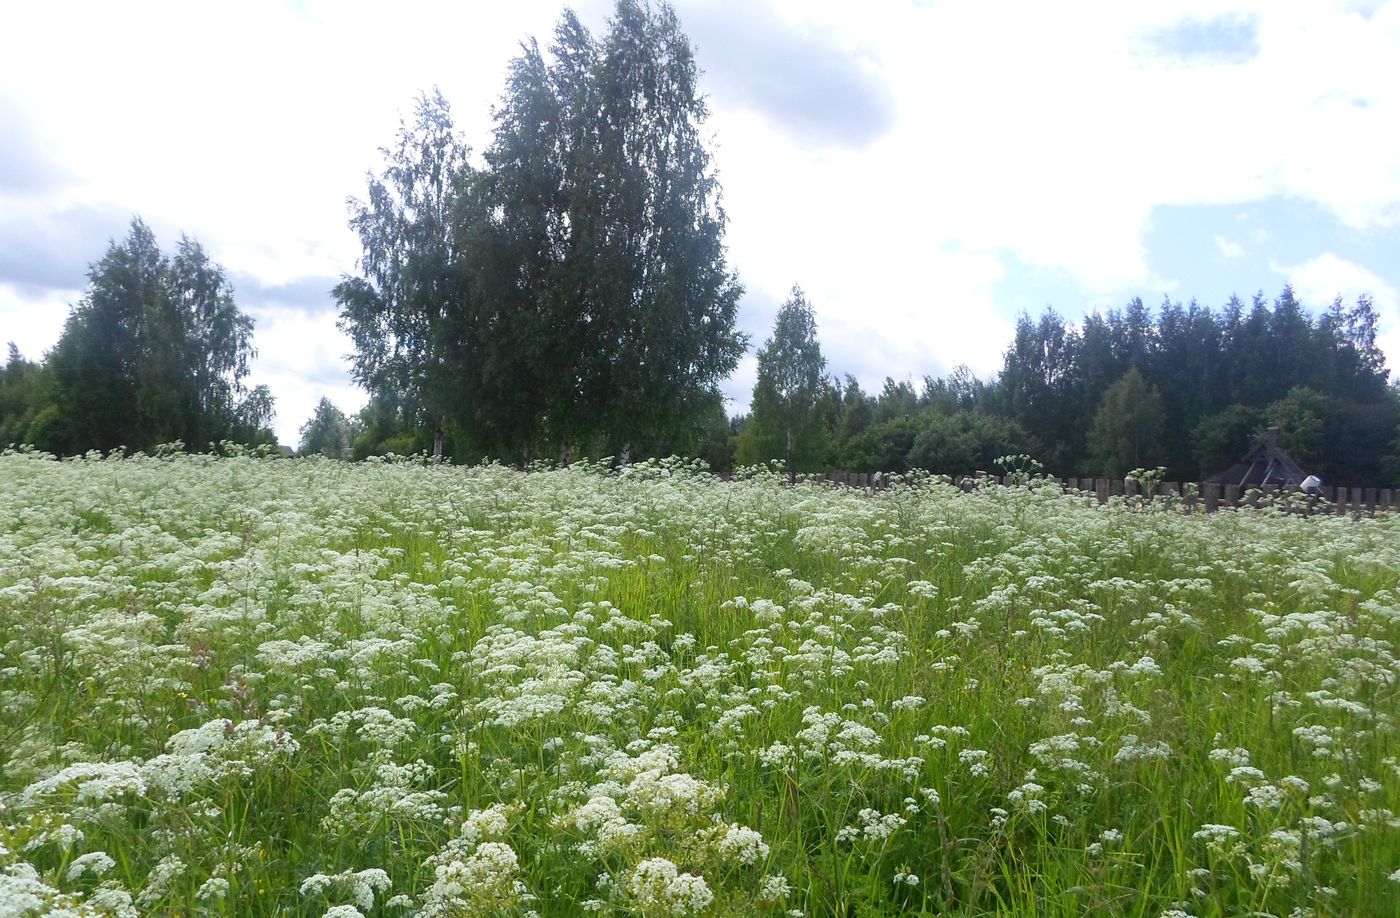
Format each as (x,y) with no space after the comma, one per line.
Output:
(1226,40)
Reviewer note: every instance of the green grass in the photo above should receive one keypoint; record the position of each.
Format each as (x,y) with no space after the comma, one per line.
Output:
(440,690)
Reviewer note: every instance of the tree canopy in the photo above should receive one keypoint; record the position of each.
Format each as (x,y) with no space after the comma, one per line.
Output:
(403,309)
(1187,388)
(572,293)
(328,432)
(155,352)
(788,396)
(1127,426)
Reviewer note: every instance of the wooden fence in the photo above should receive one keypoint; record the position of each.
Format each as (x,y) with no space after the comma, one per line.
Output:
(1209,497)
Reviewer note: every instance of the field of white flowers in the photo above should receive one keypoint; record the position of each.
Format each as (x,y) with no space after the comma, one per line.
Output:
(256,687)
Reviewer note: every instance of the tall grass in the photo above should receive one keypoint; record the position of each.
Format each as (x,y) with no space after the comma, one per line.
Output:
(256,687)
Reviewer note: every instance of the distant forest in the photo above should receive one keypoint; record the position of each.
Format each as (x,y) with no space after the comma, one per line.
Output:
(566,294)
(1189,389)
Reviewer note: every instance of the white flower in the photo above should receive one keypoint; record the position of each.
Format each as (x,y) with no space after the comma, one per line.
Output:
(743,845)
(873,825)
(775,888)
(1264,797)
(95,863)
(777,755)
(212,888)
(657,884)
(1216,836)
(93,781)
(359,886)
(343,911)
(160,879)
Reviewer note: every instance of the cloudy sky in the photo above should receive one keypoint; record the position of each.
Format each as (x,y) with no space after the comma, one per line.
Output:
(925,170)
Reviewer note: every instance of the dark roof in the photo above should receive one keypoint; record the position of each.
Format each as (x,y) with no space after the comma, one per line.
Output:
(1265,464)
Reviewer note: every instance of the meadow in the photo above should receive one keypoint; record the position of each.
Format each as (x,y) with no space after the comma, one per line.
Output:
(244,686)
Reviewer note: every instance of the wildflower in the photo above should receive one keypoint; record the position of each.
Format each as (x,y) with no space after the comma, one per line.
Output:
(92,781)
(358,886)
(743,845)
(343,911)
(486,879)
(160,879)
(774,888)
(657,885)
(95,863)
(212,888)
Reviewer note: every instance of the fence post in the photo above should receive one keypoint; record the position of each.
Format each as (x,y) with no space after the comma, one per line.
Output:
(1370,501)
(1386,496)
(1211,493)
(1231,496)
(1130,487)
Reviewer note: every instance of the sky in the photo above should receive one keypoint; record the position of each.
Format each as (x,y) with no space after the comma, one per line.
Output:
(924,170)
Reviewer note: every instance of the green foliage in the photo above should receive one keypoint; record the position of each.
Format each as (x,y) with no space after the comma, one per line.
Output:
(23,397)
(1127,426)
(571,296)
(885,445)
(328,432)
(1223,438)
(1301,417)
(1390,461)
(965,442)
(717,448)
(787,422)
(1202,362)
(156,351)
(600,238)
(403,310)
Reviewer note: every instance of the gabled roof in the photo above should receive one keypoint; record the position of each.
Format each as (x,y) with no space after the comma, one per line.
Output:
(1265,464)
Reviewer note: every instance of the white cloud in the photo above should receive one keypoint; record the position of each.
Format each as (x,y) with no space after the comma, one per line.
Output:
(33,322)
(1320,280)
(301,358)
(1228,249)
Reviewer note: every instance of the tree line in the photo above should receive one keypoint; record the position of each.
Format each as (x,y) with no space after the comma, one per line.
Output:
(1188,388)
(566,293)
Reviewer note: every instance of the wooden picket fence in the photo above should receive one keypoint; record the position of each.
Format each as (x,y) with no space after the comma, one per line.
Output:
(1207,497)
